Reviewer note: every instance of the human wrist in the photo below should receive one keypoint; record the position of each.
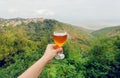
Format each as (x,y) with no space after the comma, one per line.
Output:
(45,58)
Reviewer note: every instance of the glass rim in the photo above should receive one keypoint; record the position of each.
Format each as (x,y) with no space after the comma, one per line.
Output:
(59,33)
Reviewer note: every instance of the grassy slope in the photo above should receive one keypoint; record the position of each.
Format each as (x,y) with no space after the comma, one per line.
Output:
(108,31)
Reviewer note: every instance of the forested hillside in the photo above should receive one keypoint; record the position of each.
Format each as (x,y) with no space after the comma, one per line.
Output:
(23,41)
(108,31)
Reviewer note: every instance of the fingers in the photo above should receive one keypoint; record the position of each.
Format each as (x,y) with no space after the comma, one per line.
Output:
(59,50)
(56,48)
(53,46)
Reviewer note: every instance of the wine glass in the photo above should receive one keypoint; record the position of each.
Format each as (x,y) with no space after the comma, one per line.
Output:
(60,38)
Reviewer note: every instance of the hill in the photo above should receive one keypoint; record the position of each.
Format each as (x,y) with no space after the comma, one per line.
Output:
(74,32)
(23,42)
(15,32)
(108,31)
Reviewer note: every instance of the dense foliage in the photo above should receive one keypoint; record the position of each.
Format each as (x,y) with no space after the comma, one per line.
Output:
(86,57)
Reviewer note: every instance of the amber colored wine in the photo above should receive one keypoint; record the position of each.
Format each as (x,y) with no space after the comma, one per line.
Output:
(60,38)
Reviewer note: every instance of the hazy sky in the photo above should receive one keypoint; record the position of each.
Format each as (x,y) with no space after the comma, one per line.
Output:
(87,13)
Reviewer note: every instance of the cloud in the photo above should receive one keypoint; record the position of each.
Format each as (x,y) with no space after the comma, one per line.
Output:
(15,12)
(12,10)
(45,12)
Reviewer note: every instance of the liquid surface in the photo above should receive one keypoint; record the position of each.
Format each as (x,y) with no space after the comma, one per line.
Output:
(60,39)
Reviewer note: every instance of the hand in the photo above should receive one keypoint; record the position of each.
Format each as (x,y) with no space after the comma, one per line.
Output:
(36,69)
(51,51)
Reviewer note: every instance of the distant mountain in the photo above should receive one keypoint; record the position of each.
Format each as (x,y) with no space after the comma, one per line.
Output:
(18,21)
(108,31)
(74,32)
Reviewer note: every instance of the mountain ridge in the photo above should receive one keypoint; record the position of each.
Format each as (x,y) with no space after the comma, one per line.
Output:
(18,21)
(107,31)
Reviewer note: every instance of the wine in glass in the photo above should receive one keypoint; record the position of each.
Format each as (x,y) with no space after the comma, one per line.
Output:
(60,38)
